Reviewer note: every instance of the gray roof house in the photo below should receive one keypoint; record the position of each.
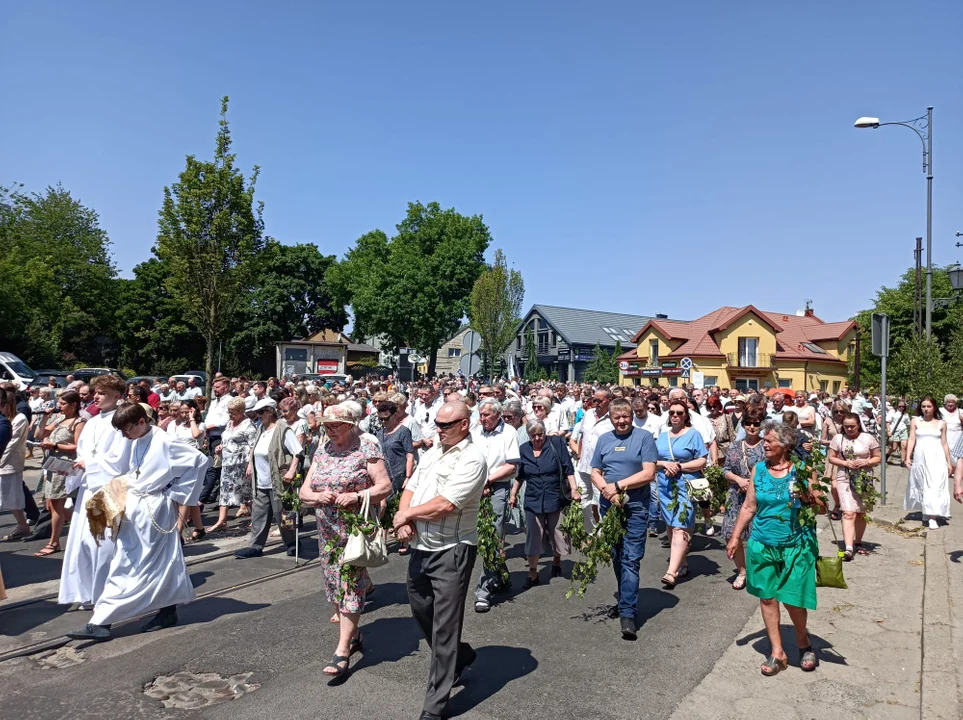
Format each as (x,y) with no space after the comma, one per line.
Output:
(566,337)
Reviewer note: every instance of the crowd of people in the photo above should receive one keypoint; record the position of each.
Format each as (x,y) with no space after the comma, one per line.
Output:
(437,447)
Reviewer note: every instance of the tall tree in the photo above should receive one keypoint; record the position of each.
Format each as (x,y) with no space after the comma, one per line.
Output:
(496,306)
(918,369)
(414,289)
(531,357)
(603,368)
(211,235)
(291,300)
(56,279)
(156,337)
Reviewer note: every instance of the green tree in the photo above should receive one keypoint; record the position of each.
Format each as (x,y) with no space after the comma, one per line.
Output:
(211,235)
(156,338)
(602,368)
(496,305)
(898,302)
(917,369)
(291,300)
(414,289)
(530,373)
(56,279)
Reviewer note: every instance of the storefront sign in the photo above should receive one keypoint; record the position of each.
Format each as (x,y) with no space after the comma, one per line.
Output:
(563,355)
(625,365)
(669,364)
(327,367)
(631,373)
(652,372)
(584,354)
(667,372)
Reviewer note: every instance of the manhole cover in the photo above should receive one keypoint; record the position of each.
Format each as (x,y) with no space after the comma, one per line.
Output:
(189,691)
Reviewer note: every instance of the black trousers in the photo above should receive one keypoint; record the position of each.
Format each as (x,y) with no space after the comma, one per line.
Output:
(437,587)
(212,479)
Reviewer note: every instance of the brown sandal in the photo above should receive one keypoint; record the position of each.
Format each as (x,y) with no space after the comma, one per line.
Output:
(47,551)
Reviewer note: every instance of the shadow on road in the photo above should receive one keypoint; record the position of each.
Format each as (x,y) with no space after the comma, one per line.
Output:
(26,569)
(825,649)
(24,619)
(495,667)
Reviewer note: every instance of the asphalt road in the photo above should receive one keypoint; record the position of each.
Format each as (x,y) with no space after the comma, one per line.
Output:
(539,655)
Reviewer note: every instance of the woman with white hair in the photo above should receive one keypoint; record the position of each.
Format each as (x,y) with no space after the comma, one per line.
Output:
(950,412)
(347,466)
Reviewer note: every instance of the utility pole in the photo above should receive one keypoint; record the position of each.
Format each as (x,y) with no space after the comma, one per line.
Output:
(857,364)
(918,302)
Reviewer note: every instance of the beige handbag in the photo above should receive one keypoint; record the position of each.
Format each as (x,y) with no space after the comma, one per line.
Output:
(106,507)
(366,549)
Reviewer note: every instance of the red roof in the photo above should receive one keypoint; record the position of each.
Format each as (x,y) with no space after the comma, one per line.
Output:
(791,332)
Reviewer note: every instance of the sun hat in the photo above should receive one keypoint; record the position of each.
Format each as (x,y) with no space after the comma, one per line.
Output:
(342,413)
(264,403)
(249,402)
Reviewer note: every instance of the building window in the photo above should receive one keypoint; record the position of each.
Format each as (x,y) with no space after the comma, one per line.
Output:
(748,355)
(543,343)
(653,353)
(836,384)
(554,339)
(673,381)
(823,385)
(747,383)
(710,380)
(785,383)
(454,352)
(518,342)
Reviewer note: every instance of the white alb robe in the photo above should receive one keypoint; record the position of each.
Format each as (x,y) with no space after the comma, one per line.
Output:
(147,571)
(102,448)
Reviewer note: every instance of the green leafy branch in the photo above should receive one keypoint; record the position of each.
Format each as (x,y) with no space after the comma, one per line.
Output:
(489,544)
(598,548)
(348,575)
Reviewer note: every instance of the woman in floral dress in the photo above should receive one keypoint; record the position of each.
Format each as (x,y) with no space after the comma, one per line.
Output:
(237,442)
(344,467)
(741,458)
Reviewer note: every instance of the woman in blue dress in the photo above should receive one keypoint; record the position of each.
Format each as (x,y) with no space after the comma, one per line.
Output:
(682,457)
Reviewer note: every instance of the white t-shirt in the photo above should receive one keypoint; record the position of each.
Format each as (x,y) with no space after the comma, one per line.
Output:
(591,430)
(652,423)
(500,446)
(262,466)
(182,433)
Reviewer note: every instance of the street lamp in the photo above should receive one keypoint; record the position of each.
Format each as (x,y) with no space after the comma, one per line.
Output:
(923,127)
(956,277)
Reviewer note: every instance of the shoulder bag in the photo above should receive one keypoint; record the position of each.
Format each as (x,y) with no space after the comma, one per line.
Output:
(829,570)
(699,489)
(366,549)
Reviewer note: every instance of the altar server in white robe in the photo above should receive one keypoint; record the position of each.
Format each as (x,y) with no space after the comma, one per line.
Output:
(147,571)
(100,450)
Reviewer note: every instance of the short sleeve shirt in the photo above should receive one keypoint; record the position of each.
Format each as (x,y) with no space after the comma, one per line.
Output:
(500,446)
(619,457)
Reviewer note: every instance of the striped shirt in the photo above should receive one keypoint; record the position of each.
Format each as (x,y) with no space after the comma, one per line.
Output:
(459,475)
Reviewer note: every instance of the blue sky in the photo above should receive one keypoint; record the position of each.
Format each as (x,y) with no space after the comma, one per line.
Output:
(627,156)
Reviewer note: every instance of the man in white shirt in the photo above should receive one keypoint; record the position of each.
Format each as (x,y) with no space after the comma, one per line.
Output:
(438,514)
(499,441)
(699,398)
(192,389)
(426,408)
(215,422)
(642,418)
(595,423)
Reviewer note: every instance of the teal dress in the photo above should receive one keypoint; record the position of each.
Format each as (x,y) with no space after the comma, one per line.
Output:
(678,510)
(781,553)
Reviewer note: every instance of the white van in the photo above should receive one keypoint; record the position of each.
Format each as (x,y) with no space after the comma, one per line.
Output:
(15,370)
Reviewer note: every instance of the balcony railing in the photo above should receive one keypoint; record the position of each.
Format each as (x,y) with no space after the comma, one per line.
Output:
(759,360)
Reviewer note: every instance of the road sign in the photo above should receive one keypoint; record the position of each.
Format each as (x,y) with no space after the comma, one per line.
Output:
(471,342)
(880,331)
(469,364)
(686,364)
(685,373)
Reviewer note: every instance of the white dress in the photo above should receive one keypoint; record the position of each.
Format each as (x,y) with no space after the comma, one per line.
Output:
(11,466)
(147,570)
(928,488)
(102,448)
(954,428)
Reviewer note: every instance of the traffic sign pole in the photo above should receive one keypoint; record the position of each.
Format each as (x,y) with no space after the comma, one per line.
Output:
(880,338)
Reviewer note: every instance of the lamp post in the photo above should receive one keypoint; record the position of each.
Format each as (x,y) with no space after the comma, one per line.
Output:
(922,126)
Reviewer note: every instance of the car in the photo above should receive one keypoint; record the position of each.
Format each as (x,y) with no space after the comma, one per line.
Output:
(329,378)
(198,378)
(43,378)
(15,370)
(152,379)
(89,373)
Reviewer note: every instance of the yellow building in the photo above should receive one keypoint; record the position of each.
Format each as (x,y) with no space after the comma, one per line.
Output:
(742,348)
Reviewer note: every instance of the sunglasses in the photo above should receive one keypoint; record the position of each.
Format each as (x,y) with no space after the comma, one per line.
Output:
(677,412)
(508,416)
(750,425)
(446,425)
(652,408)
(850,427)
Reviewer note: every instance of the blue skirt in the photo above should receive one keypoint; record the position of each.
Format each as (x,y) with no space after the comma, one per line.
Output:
(674,492)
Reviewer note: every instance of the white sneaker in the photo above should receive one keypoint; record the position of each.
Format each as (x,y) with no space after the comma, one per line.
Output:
(710,530)
(933,525)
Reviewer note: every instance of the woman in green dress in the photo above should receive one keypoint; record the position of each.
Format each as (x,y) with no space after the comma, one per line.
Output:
(781,552)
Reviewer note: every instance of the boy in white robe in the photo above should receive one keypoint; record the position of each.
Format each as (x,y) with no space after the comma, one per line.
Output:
(147,571)
(100,449)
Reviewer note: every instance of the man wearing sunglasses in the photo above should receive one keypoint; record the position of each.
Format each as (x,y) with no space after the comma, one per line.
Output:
(426,408)
(438,514)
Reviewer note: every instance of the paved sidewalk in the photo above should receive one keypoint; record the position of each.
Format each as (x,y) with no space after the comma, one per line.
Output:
(890,646)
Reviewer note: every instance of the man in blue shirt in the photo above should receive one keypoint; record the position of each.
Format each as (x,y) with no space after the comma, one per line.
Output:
(623,468)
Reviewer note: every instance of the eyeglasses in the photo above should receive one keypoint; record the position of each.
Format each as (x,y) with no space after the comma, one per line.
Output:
(677,412)
(750,425)
(446,425)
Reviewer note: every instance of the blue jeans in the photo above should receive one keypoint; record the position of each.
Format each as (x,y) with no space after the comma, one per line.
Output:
(627,555)
(654,511)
